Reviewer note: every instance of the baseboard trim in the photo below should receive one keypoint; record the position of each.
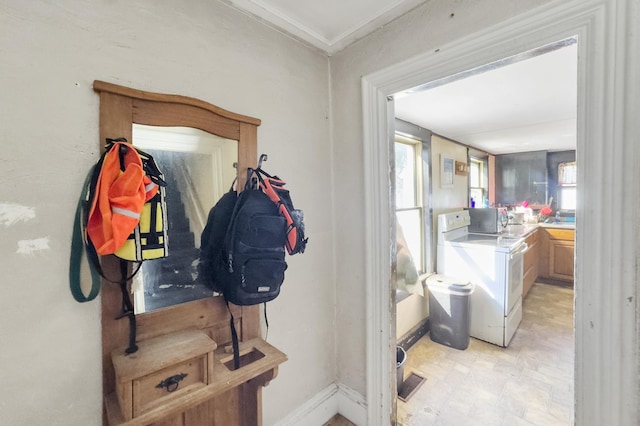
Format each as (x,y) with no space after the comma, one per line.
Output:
(332,400)
(413,335)
(352,405)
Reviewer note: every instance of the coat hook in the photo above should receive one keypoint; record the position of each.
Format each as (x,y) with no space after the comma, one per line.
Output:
(263,157)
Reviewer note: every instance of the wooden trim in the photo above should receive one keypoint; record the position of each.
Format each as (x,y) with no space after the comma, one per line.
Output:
(157,114)
(491,162)
(115,121)
(104,87)
(247,157)
(607,83)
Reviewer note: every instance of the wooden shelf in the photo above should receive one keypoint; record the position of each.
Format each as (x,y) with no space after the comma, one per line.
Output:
(462,168)
(262,367)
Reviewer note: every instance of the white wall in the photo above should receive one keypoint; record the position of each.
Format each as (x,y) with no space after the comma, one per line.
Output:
(50,53)
(446,199)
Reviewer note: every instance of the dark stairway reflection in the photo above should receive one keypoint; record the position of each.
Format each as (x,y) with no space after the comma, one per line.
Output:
(174,279)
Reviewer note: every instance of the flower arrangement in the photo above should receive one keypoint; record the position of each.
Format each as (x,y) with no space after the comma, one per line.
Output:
(544,213)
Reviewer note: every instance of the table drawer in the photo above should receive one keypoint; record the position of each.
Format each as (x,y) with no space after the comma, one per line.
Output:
(163,368)
(154,389)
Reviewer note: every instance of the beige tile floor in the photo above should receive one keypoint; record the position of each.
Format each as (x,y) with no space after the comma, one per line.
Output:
(528,383)
(338,420)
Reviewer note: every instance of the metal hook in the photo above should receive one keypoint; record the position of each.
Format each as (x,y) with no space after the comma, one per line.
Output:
(263,157)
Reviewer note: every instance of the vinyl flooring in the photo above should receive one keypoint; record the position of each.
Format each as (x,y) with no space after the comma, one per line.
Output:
(338,420)
(528,383)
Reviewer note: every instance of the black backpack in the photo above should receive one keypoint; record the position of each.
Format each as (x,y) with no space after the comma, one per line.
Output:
(253,249)
(242,248)
(212,239)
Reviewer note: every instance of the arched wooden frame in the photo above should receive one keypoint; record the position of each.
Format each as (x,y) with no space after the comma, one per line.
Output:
(120,108)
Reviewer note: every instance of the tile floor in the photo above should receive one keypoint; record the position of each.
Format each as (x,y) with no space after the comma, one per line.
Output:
(528,383)
(338,420)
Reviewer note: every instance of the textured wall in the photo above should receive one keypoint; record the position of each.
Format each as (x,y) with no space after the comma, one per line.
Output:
(50,53)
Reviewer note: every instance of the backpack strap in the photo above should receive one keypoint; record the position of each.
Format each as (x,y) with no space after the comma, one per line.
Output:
(80,244)
(127,307)
(234,339)
(273,186)
(231,230)
(266,321)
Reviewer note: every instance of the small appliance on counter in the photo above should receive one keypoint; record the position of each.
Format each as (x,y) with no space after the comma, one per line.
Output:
(488,220)
(516,218)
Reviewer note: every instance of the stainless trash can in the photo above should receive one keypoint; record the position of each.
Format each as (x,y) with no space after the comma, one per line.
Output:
(449,310)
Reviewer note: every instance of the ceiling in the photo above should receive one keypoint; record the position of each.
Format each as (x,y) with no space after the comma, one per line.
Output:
(329,25)
(525,103)
(515,106)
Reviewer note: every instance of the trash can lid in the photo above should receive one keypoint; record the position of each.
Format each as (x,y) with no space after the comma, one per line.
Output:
(443,282)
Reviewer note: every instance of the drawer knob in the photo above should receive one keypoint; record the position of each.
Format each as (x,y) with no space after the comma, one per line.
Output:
(172,383)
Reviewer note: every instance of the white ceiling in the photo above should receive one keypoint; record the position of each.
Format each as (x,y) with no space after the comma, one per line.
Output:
(525,104)
(329,25)
(528,105)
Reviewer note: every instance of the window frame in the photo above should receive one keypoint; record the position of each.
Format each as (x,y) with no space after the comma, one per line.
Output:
(484,182)
(567,174)
(419,259)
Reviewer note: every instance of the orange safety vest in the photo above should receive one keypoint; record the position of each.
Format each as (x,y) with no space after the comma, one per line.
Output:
(121,191)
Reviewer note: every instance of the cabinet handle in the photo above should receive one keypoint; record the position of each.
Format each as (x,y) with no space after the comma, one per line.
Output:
(172,383)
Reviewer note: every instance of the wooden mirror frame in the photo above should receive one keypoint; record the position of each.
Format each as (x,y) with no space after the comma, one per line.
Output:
(120,108)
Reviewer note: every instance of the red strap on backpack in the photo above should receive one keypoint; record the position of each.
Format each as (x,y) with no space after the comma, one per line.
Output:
(273,187)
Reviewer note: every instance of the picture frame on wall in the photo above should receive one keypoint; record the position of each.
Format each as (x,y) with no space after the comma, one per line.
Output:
(447,170)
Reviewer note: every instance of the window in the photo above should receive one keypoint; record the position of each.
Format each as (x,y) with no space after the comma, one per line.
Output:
(477,183)
(567,186)
(409,199)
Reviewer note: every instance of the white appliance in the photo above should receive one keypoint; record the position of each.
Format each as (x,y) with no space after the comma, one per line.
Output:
(494,264)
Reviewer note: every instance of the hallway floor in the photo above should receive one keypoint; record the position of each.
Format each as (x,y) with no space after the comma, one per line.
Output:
(528,383)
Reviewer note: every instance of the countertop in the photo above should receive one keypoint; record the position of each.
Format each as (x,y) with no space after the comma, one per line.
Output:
(521,231)
(561,225)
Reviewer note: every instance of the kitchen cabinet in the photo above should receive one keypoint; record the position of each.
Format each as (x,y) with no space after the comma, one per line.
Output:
(557,254)
(530,267)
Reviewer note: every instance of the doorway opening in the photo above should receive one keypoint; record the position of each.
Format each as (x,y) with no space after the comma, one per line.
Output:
(477,113)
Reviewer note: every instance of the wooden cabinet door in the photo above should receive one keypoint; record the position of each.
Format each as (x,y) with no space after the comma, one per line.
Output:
(561,254)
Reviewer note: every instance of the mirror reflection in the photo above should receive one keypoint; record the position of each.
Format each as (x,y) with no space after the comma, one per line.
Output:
(198,168)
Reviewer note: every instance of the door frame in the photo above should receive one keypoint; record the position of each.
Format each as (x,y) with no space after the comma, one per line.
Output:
(606,343)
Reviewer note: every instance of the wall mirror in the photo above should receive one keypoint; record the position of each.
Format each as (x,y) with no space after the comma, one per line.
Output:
(196,145)
(199,168)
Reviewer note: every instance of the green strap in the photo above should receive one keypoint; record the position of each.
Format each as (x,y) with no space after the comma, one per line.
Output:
(78,246)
